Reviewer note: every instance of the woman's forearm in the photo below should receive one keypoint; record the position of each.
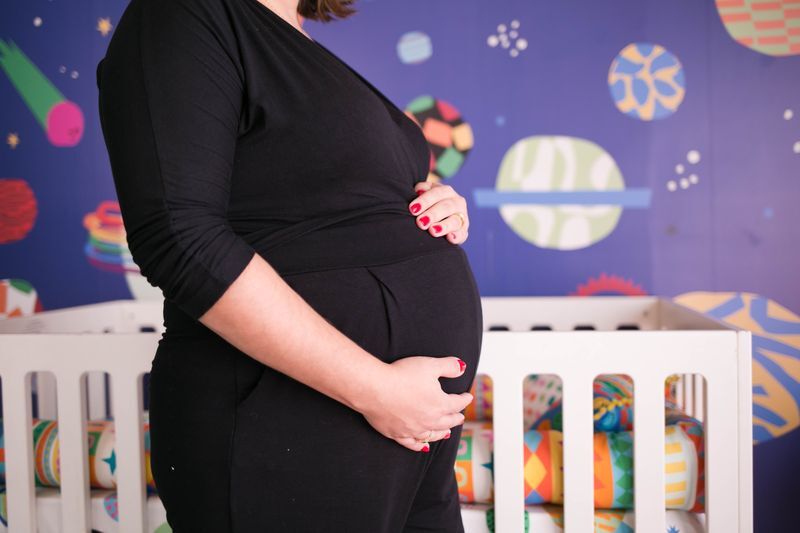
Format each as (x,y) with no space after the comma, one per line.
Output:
(261,315)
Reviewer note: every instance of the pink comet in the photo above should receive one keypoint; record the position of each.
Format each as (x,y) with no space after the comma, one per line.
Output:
(65,124)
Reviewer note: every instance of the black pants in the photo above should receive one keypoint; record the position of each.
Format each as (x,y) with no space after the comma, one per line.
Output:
(240,447)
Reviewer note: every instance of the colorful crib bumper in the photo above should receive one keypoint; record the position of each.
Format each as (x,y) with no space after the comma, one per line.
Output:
(102,455)
(613,446)
(543,463)
(613,467)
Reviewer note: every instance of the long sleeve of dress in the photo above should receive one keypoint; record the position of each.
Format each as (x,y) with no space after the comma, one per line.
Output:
(170,100)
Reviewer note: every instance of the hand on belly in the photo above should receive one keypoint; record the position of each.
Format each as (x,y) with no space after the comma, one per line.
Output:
(410,407)
(441,211)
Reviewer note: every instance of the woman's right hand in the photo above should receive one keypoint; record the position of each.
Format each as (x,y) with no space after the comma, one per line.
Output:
(410,402)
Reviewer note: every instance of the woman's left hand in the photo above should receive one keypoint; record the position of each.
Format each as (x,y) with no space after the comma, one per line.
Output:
(441,211)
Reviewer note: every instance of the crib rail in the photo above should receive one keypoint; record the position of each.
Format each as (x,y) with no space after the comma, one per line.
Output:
(126,361)
(119,316)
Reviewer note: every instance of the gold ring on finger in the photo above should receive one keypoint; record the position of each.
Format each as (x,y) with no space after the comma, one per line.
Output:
(461,216)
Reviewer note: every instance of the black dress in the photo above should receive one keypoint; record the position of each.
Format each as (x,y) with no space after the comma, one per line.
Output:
(230,133)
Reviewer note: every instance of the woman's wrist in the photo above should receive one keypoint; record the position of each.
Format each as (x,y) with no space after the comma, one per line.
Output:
(364,389)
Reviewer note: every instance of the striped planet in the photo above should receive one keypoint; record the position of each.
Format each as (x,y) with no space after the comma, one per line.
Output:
(769,27)
(414,47)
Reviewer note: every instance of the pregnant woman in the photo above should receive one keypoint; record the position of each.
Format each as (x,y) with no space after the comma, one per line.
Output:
(322,322)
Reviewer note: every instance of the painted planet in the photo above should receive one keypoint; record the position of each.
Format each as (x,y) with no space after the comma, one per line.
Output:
(449,136)
(65,124)
(106,248)
(776,351)
(107,245)
(607,285)
(18,298)
(770,28)
(646,81)
(18,210)
(414,47)
(565,164)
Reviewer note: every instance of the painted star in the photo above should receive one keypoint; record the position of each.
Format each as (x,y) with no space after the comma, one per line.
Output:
(112,461)
(12,140)
(104,26)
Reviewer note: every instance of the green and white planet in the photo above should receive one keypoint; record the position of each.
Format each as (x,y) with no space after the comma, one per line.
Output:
(567,164)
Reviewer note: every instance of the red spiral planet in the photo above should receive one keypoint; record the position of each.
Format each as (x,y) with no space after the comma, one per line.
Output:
(18,209)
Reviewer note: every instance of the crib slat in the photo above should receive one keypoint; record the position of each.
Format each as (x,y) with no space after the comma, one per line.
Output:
(18,437)
(126,397)
(722,495)
(508,452)
(73,452)
(648,450)
(578,451)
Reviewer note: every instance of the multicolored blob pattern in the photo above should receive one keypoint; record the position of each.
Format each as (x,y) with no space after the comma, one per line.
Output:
(776,354)
(646,81)
(768,27)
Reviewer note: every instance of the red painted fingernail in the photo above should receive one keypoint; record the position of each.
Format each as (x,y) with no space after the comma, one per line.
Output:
(426,448)
(415,208)
(424,220)
(419,192)
(447,436)
(462,364)
(437,228)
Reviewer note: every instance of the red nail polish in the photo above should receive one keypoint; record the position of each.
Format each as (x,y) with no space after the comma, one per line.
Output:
(419,192)
(415,208)
(426,448)
(462,364)
(437,228)
(424,220)
(447,436)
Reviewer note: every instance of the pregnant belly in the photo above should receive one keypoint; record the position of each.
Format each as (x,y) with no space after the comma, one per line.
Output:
(423,305)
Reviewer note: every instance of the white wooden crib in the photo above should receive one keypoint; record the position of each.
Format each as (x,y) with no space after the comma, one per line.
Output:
(646,338)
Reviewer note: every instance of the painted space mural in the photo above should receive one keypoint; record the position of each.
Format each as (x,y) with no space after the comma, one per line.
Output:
(628,147)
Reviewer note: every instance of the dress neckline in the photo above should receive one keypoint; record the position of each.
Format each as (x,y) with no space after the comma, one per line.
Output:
(318,45)
(284,21)
(388,104)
